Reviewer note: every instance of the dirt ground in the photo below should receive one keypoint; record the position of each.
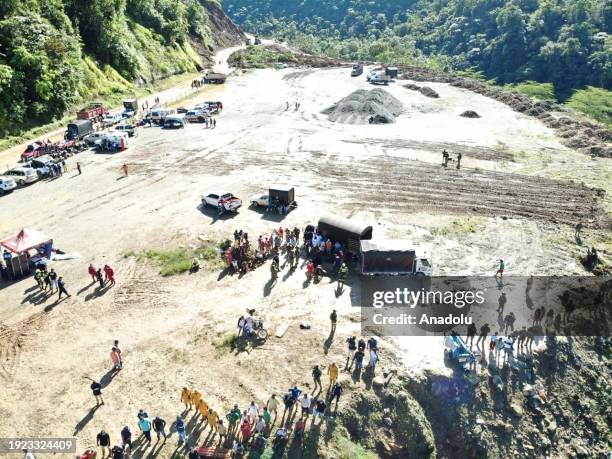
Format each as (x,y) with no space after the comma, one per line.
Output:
(517,196)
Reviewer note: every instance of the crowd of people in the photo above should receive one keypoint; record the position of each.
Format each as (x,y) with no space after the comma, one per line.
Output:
(317,249)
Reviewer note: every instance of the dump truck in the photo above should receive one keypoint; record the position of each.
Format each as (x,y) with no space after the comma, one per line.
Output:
(391,72)
(93,111)
(130,107)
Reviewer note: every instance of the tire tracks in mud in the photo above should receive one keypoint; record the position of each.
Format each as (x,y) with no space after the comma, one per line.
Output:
(414,186)
(12,340)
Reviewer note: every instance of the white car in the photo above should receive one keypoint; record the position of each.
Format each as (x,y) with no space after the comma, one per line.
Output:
(110,119)
(196,116)
(22,175)
(7,185)
(228,201)
(260,200)
(91,139)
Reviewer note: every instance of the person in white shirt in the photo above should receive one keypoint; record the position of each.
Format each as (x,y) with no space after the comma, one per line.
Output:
(305,402)
(260,425)
(253,412)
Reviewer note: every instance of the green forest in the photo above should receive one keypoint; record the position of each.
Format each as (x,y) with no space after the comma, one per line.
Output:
(562,42)
(56,53)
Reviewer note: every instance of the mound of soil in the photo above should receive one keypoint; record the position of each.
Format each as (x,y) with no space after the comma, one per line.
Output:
(425,90)
(594,139)
(470,114)
(362,105)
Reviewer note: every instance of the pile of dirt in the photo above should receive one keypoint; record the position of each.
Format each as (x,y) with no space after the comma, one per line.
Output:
(470,114)
(361,106)
(425,90)
(590,138)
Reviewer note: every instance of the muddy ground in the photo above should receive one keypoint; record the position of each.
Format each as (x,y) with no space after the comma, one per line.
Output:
(517,196)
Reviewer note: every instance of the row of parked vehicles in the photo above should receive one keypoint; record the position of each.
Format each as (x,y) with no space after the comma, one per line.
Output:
(170,118)
(382,75)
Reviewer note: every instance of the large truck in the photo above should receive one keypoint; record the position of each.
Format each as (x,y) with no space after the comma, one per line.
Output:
(356,70)
(93,111)
(215,78)
(394,258)
(130,108)
(79,129)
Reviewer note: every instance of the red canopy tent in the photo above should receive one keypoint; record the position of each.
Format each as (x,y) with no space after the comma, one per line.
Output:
(28,239)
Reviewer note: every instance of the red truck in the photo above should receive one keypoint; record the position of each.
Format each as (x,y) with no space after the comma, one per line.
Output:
(92,112)
(33,151)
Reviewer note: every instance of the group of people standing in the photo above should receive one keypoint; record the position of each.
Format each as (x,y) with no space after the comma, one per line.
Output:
(102,279)
(48,280)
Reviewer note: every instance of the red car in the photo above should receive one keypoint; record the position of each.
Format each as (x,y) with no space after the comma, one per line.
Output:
(33,151)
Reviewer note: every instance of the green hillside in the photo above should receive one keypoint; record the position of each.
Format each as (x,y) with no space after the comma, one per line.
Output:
(57,53)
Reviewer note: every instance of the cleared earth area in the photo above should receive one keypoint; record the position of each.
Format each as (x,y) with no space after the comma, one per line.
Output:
(517,196)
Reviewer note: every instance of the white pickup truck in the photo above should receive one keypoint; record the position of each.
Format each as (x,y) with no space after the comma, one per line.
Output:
(226,202)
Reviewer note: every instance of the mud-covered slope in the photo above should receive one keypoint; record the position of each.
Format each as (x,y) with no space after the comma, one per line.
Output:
(224,32)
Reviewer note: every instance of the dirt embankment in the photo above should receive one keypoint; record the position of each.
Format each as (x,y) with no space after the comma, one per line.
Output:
(591,138)
(225,33)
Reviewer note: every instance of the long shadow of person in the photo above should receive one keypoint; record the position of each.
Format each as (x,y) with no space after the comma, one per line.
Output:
(108,377)
(83,422)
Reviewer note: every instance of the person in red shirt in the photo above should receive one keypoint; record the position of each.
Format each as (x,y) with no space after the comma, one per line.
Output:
(92,272)
(109,274)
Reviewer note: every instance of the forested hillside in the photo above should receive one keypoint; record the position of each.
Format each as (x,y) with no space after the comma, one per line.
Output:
(564,42)
(55,53)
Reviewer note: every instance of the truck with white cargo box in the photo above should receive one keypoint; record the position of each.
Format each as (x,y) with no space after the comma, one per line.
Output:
(394,258)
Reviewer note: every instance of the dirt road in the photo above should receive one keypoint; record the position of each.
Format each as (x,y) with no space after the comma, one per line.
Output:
(512,198)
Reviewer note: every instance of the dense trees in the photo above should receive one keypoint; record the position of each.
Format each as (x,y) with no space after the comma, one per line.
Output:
(565,42)
(44,45)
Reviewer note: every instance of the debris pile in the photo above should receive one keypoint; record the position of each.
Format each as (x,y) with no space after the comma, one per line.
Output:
(470,114)
(363,106)
(425,90)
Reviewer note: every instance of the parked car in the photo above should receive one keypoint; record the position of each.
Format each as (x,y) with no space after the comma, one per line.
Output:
(110,119)
(260,200)
(174,122)
(41,164)
(196,116)
(91,139)
(22,175)
(181,110)
(228,201)
(128,128)
(159,114)
(32,151)
(7,185)
(280,65)
(357,70)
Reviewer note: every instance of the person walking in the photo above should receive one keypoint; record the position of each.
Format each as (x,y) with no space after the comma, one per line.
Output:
(501,303)
(336,392)
(203,409)
(484,332)
(459,156)
(305,402)
(103,441)
(92,272)
(342,273)
(319,410)
(64,166)
(444,158)
(373,359)
(145,427)
(316,375)
(359,359)
(196,396)
(78,166)
(222,430)
(100,278)
(233,417)
(332,372)
(273,405)
(126,437)
(159,426)
(186,398)
(61,288)
(333,318)
(500,270)
(53,280)
(253,412)
(109,275)
(124,168)
(180,429)
(212,417)
(116,359)
(96,389)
